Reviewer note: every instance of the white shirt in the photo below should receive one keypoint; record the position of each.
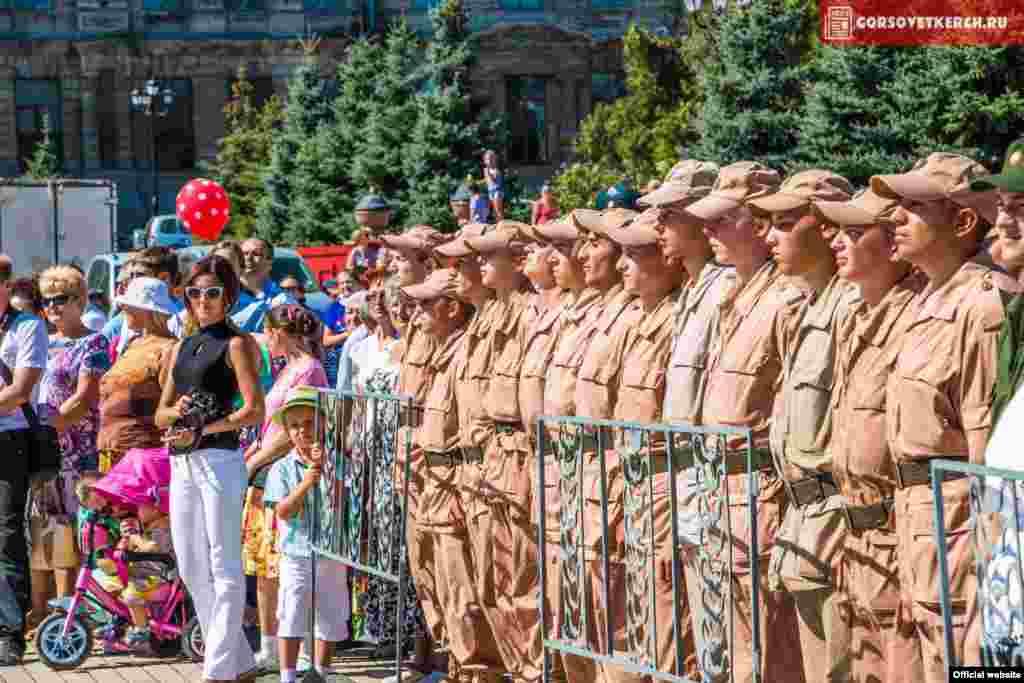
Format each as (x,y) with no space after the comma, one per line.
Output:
(26,345)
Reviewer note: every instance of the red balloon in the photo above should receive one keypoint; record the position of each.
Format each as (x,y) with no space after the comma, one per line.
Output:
(203,206)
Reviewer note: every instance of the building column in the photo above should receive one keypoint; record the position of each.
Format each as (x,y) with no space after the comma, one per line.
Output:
(8,123)
(208,95)
(126,156)
(90,122)
(554,107)
(71,126)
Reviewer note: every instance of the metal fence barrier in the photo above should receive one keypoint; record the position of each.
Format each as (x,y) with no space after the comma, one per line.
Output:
(362,524)
(613,474)
(996,502)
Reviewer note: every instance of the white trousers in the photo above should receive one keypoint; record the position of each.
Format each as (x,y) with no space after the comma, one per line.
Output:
(295,599)
(207,494)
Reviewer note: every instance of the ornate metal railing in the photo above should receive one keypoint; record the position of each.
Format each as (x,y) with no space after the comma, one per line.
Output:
(996,502)
(622,474)
(362,524)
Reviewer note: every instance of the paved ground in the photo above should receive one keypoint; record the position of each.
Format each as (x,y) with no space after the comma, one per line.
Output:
(354,666)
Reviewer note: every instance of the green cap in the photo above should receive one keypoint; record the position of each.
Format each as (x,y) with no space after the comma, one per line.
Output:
(298,396)
(1012,177)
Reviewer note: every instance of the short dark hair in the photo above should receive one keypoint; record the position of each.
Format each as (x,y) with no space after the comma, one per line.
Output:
(267,245)
(220,268)
(160,260)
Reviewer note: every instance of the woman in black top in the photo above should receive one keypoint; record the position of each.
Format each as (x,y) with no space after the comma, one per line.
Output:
(208,477)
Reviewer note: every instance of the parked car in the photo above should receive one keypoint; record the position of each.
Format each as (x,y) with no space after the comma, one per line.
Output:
(102,272)
(167,231)
(287,262)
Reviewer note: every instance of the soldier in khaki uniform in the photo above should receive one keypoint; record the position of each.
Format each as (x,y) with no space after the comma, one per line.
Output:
(743,377)
(444,571)
(695,320)
(812,531)
(866,577)
(504,542)
(940,391)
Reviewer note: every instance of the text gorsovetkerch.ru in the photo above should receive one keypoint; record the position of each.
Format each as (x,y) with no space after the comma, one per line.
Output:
(933,23)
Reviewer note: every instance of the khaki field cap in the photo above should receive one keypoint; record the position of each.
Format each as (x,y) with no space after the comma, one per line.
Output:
(640,232)
(687,182)
(866,208)
(416,238)
(802,189)
(601,222)
(737,184)
(440,283)
(457,247)
(527,233)
(941,175)
(559,230)
(504,237)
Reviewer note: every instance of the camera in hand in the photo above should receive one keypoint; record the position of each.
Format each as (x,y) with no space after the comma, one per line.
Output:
(203,409)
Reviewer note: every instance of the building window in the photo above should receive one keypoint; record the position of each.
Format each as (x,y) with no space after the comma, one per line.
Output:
(526,110)
(521,5)
(175,133)
(605,5)
(606,87)
(36,101)
(107,118)
(331,7)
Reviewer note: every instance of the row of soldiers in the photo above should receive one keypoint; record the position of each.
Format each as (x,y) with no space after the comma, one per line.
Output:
(855,335)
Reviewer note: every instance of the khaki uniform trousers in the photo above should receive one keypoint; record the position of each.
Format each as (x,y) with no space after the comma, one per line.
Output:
(503,538)
(803,561)
(780,659)
(442,567)
(919,575)
(868,598)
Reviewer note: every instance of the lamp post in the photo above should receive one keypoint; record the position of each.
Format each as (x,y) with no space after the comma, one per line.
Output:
(154,102)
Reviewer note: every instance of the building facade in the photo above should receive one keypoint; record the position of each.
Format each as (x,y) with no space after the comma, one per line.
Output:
(544,63)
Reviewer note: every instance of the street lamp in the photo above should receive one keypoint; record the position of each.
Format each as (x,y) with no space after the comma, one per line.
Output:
(155,102)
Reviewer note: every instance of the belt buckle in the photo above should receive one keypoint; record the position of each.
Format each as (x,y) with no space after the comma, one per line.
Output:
(849,516)
(899,476)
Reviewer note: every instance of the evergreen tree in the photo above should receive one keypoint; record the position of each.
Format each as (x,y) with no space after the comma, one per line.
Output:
(308,106)
(245,152)
(325,194)
(753,87)
(45,162)
(448,138)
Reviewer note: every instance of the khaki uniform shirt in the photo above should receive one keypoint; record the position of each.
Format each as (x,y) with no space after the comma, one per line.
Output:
(866,344)
(941,387)
(641,356)
(596,381)
(745,367)
(439,430)
(802,419)
(414,372)
(539,338)
(695,323)
(471,373)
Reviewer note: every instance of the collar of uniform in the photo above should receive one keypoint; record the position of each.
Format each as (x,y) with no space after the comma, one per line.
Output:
(545,318)
(447,350)
(943,302)
(506,313)
(585,301)
(617,301)
(660,318)
(891,308)
(821,311)
(762,281)
(419,348)
(693,294)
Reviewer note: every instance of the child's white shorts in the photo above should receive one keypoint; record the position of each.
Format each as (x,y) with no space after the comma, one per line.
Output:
(295,597)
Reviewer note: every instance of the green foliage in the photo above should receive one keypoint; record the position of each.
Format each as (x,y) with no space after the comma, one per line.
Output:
(577,186)
(753,88)
(244,153)
(307,108)
(448,138)
(45,162)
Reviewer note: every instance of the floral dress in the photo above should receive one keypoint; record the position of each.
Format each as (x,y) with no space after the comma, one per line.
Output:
(375,600)
(69,359)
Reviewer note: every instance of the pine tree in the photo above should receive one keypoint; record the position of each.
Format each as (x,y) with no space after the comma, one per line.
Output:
(325,194)
(753,87)
(308,106)
(45,162)
(449,137)
(245,152)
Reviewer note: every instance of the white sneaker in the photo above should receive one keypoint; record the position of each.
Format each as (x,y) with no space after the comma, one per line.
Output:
(267,661)
(304,663)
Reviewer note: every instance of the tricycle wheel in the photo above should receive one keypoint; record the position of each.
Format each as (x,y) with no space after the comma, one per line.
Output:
(192,640)
(61,651)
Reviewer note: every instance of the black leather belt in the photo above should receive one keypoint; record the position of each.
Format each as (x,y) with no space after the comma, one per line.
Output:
(868,516)
(508,427)
(472,454)
(812,489)
(919,472)
(446,459)
(736,461)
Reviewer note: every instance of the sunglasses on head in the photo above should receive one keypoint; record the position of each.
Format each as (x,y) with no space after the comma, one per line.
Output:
(59,300)
(211,293)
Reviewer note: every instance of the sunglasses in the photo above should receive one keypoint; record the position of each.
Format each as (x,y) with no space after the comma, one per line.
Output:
(59,300)
(291,289)
(211,293)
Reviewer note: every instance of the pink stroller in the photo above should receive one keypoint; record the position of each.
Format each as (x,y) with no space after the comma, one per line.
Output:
(64,639)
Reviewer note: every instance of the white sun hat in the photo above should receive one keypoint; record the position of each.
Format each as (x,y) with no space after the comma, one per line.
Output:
(148,294)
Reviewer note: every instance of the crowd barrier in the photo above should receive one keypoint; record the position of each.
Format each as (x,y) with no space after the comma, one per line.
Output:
(996,503)
(362,524)
(624,490)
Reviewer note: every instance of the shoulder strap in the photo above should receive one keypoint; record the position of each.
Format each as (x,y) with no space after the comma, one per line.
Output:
(8,377)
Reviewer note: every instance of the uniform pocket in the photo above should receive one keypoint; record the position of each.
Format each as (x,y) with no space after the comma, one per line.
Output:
(922,558)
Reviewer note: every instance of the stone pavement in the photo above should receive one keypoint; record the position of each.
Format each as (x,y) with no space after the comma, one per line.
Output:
(353,666)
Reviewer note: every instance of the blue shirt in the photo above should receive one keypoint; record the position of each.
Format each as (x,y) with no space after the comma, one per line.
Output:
(250,310)
(293,539)
(345,360)
(334,317)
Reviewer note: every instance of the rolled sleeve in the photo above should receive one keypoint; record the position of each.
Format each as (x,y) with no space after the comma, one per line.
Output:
(33,344)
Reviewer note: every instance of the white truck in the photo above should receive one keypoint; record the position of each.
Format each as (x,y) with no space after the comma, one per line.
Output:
(43,223)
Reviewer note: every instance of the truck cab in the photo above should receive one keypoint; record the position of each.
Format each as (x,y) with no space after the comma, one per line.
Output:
(167,231)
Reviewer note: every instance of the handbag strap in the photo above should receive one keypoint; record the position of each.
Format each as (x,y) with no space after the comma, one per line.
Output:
(5,372)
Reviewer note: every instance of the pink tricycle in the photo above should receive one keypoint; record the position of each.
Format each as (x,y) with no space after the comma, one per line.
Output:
(64,640)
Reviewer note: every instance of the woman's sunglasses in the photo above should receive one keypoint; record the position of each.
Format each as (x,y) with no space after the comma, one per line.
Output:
(211,293)
(59,300)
